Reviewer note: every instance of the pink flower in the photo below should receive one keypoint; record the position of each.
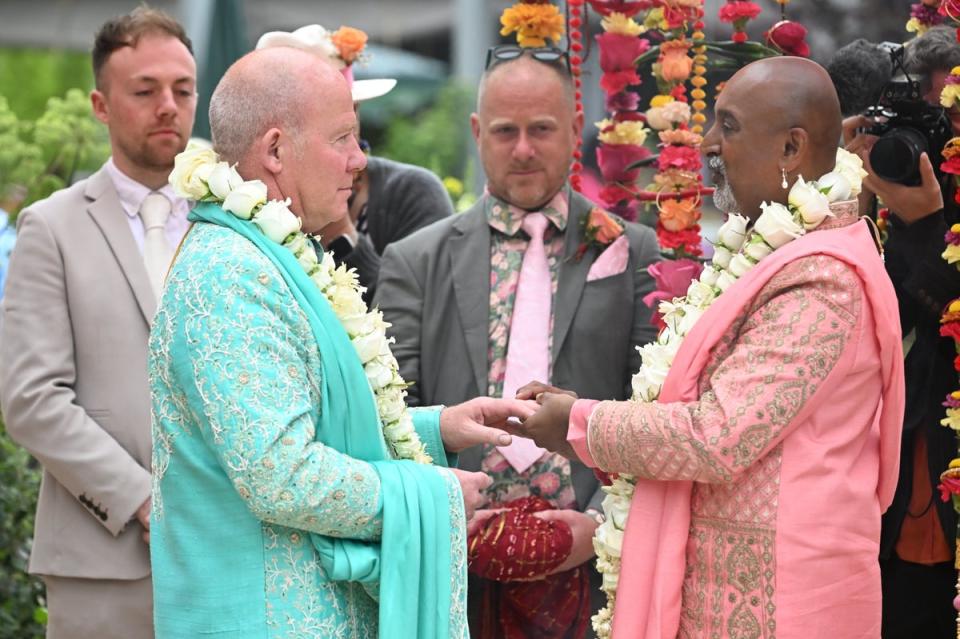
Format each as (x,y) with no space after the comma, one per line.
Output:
(672,278)
(739,10)
(617,81)
(546,484)
(606,7)
(623,101)
(679,157)
(618,51)
(788,37)
(614,160)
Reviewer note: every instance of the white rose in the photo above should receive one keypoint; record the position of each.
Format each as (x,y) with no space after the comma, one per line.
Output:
(276,220)
(776,225)
(307,257)
(368,346)
(397,430)
(725,280)
(392,405)
(644,389)
(359,324)
(721,256)
(322,278)
(757,248)
(345,300)
(850,166)
(617,510)
(690,316)
(191,168)
(245,198)
(709,275)
(740,264)
(223,179)
(733,232)
(670,313)
(700,294)
(812,205)
(837,187)
(676,112)
(656,119)
(378,374)
(610,538)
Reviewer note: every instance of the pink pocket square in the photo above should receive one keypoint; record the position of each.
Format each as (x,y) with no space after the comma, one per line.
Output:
(612,261)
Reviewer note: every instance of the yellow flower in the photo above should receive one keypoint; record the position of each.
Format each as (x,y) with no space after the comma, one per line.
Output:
(661,100)
(619,23)
(950,95)
(955,462)
(955,228)
(533,23)
(629,132)
(955,70)
(655,20)
(952,420)
(915,26)
(952,254)
(954,308)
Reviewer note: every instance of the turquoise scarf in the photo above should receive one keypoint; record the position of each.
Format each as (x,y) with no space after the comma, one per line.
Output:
(412,562)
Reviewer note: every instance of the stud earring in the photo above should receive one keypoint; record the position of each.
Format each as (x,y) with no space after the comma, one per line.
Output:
(783,183)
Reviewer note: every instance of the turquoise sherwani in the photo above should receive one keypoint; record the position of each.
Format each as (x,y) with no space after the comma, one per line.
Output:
(242,488)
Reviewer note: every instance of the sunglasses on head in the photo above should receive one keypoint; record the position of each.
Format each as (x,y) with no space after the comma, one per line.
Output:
(505,52)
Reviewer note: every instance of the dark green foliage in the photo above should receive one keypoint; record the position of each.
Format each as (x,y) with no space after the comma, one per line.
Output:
(22,606)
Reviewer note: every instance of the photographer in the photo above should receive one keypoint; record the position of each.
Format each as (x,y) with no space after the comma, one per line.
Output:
(918,537)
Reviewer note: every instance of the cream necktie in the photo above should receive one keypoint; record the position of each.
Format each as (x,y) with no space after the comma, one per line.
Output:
(157,253)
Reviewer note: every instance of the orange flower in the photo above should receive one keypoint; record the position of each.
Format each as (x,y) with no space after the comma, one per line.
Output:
(675,64)
(680,136)
(349,42)
(677,215)
(533,23)
(605,228)
(675,180)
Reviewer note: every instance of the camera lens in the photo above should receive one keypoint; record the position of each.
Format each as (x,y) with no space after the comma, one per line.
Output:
(896,155)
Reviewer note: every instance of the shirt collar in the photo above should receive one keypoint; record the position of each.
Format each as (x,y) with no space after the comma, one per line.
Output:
(507,218)
(132,193)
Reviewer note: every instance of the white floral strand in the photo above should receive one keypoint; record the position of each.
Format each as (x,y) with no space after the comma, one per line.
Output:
(198,174)
(737,251)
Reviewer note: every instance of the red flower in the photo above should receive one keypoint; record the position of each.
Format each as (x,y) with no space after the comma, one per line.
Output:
(951,9)
(617,81)
(739,37)
(613,193)
(951,330)
(606,7)
(739,10)
(956,363)
(613,160)
(679,157)
(788,37)
(618,51)
(951,166)
(687,240)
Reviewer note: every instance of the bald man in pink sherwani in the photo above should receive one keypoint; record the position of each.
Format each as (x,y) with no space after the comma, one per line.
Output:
(773,448)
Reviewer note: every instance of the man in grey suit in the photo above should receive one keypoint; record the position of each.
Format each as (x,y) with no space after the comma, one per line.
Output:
(453,290)
(80,296)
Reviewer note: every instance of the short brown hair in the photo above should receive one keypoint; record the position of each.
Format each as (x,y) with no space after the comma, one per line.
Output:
(126,31)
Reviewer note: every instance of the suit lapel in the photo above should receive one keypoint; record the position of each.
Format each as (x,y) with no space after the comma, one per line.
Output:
(110,218)
(572,276)
(470,270)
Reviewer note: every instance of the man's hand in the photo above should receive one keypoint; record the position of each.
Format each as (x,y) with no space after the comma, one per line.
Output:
(480,421)
(909,203)
(472,485)
(855,140)
(532,390)
(582,526)
(548,427)
(338,228)
(143,516)
(481,517)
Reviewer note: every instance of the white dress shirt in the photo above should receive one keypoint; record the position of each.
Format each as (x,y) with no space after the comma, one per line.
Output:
(132,194)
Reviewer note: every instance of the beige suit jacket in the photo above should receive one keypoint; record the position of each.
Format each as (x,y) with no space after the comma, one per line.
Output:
(74,324)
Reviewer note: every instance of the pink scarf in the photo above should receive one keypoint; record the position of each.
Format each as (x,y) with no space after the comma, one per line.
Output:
(654,550)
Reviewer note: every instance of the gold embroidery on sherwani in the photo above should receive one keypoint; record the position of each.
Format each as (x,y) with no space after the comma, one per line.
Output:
(760,375)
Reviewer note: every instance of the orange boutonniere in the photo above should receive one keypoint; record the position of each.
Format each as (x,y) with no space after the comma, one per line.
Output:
(349,42)
(600,229)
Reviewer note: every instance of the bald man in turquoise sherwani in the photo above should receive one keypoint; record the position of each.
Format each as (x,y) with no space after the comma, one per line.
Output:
(277,510)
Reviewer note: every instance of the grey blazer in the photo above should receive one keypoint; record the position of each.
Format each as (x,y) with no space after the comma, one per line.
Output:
(74,324)
(434,288)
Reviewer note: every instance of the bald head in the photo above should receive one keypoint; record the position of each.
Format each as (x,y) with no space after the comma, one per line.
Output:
(268,88)
(794,93)
(776,119)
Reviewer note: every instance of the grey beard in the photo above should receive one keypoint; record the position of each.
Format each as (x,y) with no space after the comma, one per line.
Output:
(723,197)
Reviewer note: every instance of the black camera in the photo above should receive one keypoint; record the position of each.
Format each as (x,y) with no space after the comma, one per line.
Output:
(905,124)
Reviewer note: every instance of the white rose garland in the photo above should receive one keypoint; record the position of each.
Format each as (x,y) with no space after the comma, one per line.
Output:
(736,253)
(198,174)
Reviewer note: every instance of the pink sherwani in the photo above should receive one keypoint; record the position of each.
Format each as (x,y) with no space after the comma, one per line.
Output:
(777,432)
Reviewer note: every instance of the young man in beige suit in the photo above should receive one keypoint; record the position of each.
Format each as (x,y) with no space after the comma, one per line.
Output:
(80,294)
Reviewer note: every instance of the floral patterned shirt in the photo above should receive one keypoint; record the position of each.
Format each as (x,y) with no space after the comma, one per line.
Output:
(548,477)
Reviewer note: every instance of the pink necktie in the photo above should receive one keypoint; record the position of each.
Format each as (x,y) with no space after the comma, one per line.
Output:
(528,357)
